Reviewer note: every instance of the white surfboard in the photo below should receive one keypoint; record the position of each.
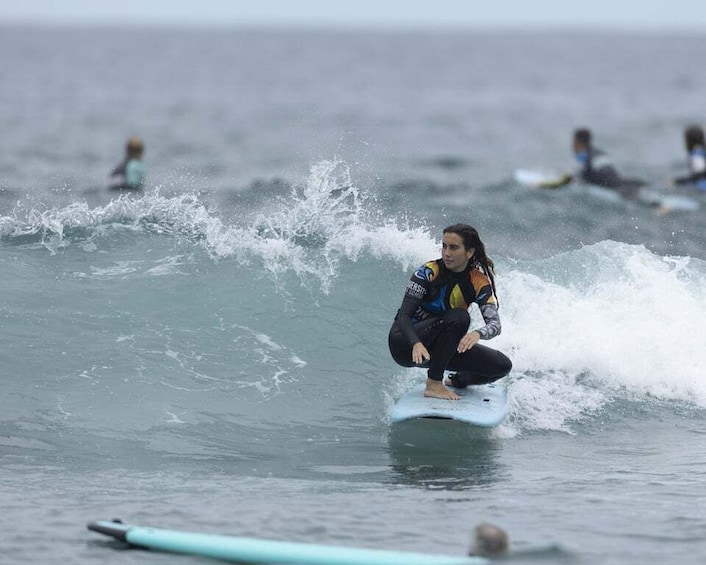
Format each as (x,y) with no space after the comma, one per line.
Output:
(530,177)
(480,405)
(668,202)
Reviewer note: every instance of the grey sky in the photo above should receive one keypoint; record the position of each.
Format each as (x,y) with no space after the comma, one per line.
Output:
(633,14)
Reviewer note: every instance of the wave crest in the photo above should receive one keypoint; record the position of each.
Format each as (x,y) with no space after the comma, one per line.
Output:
(308,232)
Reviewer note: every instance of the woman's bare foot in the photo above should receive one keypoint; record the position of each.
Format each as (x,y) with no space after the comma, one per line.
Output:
(436,389)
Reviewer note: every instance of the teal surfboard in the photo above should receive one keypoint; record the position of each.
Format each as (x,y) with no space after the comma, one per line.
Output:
(480,405)
(255,550)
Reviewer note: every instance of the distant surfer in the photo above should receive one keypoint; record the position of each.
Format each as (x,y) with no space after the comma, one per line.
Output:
(431,327)
(596,169)
(696,155)
(130,173)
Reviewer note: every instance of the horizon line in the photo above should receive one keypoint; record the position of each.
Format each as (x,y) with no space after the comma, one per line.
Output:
(283,25)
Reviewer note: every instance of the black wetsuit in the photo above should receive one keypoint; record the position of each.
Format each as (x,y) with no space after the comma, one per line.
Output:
(598,170)
(697,169)
(434,312)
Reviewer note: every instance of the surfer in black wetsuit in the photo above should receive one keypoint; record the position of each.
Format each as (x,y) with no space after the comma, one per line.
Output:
(596,169)
(431,327)
(696,152)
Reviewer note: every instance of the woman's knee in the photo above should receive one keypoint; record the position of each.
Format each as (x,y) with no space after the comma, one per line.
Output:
(499,367)
(458,317)
(504,364)
(404,360)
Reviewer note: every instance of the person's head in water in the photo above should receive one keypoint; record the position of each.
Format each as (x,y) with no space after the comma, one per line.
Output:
(582,144)
(135,148)
(693,137)
(472,244)
(489,541)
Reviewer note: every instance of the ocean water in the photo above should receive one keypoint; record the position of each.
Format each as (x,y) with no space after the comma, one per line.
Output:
(211,354)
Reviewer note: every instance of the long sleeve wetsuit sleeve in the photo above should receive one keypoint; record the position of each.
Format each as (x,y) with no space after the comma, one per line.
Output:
(410,304)
(117,176)
(491,317)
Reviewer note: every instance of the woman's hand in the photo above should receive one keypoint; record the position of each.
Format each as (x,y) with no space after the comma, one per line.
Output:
(419,353)
(468,341)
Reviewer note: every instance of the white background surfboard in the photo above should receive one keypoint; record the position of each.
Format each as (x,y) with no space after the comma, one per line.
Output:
(530,177)
(482,405)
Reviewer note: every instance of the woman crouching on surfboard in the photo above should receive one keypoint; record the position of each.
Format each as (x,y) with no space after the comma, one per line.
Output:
(430,329)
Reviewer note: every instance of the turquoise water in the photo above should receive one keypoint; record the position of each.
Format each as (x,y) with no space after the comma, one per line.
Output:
(211,355)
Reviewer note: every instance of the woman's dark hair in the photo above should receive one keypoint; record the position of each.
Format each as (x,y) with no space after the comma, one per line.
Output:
(693,137)
(471,239)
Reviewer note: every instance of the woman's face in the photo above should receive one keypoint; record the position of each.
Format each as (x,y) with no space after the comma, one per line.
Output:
(454,254)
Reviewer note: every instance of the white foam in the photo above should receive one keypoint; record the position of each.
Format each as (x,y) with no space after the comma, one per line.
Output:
(620,321)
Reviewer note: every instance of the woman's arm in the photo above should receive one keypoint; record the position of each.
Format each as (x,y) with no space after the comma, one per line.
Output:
(491,317)
(410,304)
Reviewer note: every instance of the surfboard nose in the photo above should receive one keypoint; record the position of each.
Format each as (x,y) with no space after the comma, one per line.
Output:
(115,528)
